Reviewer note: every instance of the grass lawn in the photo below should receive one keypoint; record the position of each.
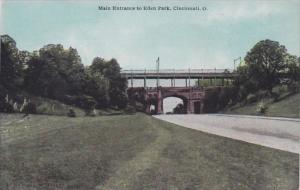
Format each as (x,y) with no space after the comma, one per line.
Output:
(133,152)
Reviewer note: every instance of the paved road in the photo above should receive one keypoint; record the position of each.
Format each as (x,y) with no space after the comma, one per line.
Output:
(279,133)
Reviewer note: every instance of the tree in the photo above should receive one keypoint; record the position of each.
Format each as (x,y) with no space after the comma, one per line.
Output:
(11,70)
(118,85)
(266,61)
(179,109)
(97,86)
(293,68)
(109,71)
(25,57)
(244,82)
(55,72)
(58,73)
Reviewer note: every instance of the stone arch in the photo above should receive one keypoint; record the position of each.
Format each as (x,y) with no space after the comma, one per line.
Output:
(192,98)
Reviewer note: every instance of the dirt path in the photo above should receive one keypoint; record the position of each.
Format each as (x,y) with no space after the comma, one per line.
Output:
(129,173)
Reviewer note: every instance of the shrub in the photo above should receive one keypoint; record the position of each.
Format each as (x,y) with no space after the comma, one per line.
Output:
(180,109)
(261,108)
(71,113)
(152,112)
(282,89)
(91,112)
(88,103)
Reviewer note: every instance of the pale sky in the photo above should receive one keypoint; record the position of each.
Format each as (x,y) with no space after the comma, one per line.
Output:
(182,39)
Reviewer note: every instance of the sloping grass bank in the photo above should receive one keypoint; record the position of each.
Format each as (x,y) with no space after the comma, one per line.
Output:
(285,107)
(132,152)
(48,106)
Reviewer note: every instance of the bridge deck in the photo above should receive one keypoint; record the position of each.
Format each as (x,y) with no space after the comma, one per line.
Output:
(179,74)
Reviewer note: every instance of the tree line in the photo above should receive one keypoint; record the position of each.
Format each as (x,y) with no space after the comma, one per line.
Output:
(58,73)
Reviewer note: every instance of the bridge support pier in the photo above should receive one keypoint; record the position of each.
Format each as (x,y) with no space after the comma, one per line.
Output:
(148,108)
(190,107)
(173,82)
(159,105)
(145,83)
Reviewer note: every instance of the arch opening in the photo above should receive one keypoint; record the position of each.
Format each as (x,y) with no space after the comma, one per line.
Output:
(174,105)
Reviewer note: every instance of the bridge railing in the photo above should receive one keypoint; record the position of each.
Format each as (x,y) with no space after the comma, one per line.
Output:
(170,71)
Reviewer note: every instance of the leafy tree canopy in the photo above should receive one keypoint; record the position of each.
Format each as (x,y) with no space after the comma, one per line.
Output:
(55,72)
(265,61)
(109,71)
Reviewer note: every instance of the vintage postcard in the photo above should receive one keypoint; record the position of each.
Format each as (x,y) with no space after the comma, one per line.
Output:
(149,94)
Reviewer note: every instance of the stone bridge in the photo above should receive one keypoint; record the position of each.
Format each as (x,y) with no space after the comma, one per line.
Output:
(192,97)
